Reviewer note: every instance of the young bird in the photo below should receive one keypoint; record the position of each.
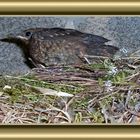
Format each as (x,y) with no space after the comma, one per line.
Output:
(53,46)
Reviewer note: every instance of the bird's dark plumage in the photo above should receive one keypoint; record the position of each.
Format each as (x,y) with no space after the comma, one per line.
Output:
(45,46)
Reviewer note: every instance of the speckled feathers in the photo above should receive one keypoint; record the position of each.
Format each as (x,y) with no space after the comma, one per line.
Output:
(46,46)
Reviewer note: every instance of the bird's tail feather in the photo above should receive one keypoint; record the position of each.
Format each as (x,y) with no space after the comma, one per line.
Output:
(104,50)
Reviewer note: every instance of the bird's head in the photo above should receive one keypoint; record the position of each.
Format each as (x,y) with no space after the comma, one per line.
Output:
(20,38)
(24,40)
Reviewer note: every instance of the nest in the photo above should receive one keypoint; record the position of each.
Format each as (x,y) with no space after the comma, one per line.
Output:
(106,91)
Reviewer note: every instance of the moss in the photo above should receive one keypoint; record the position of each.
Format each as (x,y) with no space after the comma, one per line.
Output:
(59,87)
(97,66)
(97,116)
(16,90)
(20,88)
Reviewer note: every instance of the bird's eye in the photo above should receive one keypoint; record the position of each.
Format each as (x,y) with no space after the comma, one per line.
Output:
(28,34)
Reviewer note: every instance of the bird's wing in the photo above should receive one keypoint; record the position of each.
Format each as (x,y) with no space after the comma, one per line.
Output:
(60,33)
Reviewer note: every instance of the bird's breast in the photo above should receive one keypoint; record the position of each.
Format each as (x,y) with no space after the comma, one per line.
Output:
(56,51)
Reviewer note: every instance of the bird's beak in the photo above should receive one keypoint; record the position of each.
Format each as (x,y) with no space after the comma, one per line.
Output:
(13,39)
(10,38)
